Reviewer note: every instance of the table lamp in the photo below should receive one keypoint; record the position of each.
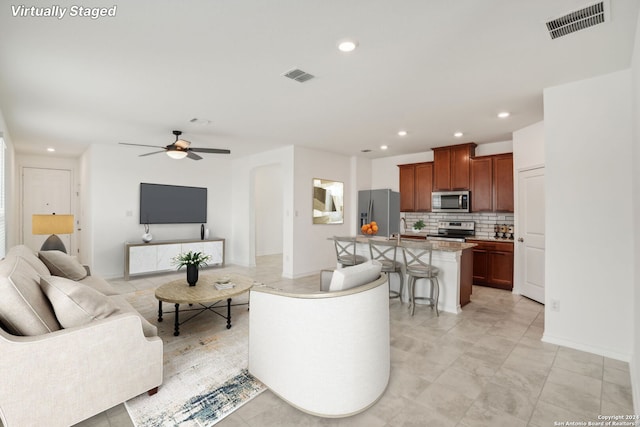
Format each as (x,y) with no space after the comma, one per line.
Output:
(52,224)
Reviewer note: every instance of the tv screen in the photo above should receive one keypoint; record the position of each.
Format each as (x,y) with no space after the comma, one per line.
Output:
(172,204)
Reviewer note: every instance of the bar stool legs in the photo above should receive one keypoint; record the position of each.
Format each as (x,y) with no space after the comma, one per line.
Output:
(434,293)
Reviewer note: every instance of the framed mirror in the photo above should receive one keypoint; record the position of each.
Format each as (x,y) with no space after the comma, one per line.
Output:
(328,201)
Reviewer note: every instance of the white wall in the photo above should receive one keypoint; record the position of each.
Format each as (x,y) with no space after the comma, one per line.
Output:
(312,251)
(588,139)
(268,209)
(115,175)
(11,212)
(528,147)
(635,360)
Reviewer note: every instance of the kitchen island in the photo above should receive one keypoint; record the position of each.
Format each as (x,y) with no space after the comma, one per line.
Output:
(455,261)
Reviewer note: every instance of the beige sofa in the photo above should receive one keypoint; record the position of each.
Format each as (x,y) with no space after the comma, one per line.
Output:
(326,353)
(70,346)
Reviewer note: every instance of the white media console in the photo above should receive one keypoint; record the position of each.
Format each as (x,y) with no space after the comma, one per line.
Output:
(155,257)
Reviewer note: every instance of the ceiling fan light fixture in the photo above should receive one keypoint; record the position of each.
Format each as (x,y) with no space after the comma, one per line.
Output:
(177,154)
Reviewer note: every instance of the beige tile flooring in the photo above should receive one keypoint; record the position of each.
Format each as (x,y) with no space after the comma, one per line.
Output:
(484,367)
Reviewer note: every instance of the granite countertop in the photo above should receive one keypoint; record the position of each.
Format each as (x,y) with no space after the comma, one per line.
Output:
(437,245)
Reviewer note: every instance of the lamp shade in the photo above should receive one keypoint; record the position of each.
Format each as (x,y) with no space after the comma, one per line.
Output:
(52,224)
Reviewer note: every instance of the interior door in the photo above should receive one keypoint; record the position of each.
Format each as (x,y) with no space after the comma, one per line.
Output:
(531,233)
(45,191)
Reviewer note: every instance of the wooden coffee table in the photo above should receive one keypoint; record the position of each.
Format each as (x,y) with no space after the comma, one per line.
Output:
(204,294)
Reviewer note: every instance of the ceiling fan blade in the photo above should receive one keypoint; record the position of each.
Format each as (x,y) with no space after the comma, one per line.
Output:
(211,150)
(140,145)
(154,152)
(193,156)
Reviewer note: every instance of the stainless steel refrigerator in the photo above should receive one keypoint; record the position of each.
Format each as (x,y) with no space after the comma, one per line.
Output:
(381,206)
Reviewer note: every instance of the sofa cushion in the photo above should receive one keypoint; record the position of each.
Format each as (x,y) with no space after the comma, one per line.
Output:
(99,284)
(24,308)
(350,277)
(29,256)
(76,304)
(148,329)
(63,265)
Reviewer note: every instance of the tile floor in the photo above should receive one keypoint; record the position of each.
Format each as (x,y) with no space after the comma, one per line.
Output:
(483,367)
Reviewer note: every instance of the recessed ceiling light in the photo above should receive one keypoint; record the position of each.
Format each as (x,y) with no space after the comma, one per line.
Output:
(51,149)
(458,134)
(402,133)
(347,45)
(383,147)
(504,114)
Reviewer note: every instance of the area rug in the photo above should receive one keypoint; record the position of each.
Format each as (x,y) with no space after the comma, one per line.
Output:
(205,369)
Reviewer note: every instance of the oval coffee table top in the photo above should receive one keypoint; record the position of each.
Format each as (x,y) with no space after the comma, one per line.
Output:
(179,291)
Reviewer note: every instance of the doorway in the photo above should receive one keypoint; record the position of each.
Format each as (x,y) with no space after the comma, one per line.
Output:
(268,213)
(530,245)
(45,191)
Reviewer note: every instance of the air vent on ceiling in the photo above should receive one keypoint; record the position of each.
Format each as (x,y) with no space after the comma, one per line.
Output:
(298,75)
(578,20)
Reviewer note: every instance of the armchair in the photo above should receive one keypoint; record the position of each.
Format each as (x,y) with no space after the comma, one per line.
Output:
(325,353)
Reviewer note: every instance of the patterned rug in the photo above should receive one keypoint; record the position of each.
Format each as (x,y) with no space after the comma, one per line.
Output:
(205,368)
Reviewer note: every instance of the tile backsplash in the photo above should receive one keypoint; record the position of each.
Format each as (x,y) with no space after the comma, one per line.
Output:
(484,221)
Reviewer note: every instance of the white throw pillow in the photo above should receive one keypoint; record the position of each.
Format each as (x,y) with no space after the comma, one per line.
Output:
(350,277)
(63,265)
(75,304)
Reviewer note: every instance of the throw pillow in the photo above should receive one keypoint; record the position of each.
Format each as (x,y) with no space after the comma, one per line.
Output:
(63,265)
(74,303)
(350,277)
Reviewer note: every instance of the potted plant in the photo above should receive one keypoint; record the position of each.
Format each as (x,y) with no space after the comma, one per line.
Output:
(419,225)
(193,261)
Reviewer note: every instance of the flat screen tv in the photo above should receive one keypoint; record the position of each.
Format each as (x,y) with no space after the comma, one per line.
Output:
(172,204)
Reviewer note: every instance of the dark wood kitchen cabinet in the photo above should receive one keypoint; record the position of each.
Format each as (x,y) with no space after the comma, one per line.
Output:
(451,167)
(493,264)
(492,183)
(415,187)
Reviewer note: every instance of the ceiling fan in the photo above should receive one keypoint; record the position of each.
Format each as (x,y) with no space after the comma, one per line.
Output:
(181,149)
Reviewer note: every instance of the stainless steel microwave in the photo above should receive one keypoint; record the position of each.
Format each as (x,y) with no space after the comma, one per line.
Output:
(450,201)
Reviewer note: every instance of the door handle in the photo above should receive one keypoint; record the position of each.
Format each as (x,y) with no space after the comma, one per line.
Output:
(520,239)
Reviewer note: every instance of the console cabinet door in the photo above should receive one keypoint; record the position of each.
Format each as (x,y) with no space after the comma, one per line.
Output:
(142,259)
(216,250)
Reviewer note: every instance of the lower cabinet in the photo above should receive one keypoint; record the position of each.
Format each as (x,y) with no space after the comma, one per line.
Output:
(156,257)
(493,264)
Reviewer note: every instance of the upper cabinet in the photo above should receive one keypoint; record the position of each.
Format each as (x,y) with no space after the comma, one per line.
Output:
(452,170)
(416,181)
(492,183)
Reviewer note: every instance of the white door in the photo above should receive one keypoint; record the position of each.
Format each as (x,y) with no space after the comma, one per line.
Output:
(530,233)
(45,191)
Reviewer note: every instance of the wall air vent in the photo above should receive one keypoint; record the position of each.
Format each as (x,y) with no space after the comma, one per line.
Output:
(578,20)
(298,75)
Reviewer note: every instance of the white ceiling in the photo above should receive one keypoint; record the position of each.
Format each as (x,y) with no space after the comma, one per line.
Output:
(430,67)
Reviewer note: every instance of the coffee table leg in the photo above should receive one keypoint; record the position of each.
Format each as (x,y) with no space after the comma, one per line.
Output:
(229,313)
(176,330)
(159,311)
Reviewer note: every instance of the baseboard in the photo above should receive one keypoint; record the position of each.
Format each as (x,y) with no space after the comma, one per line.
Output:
(586,347)
(635,383)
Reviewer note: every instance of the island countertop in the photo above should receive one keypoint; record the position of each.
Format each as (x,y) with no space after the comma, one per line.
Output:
(436,244)
(453,259)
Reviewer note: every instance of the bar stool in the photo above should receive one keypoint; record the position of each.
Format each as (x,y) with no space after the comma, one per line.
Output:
(385,252)
(417,260)
(346,251)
